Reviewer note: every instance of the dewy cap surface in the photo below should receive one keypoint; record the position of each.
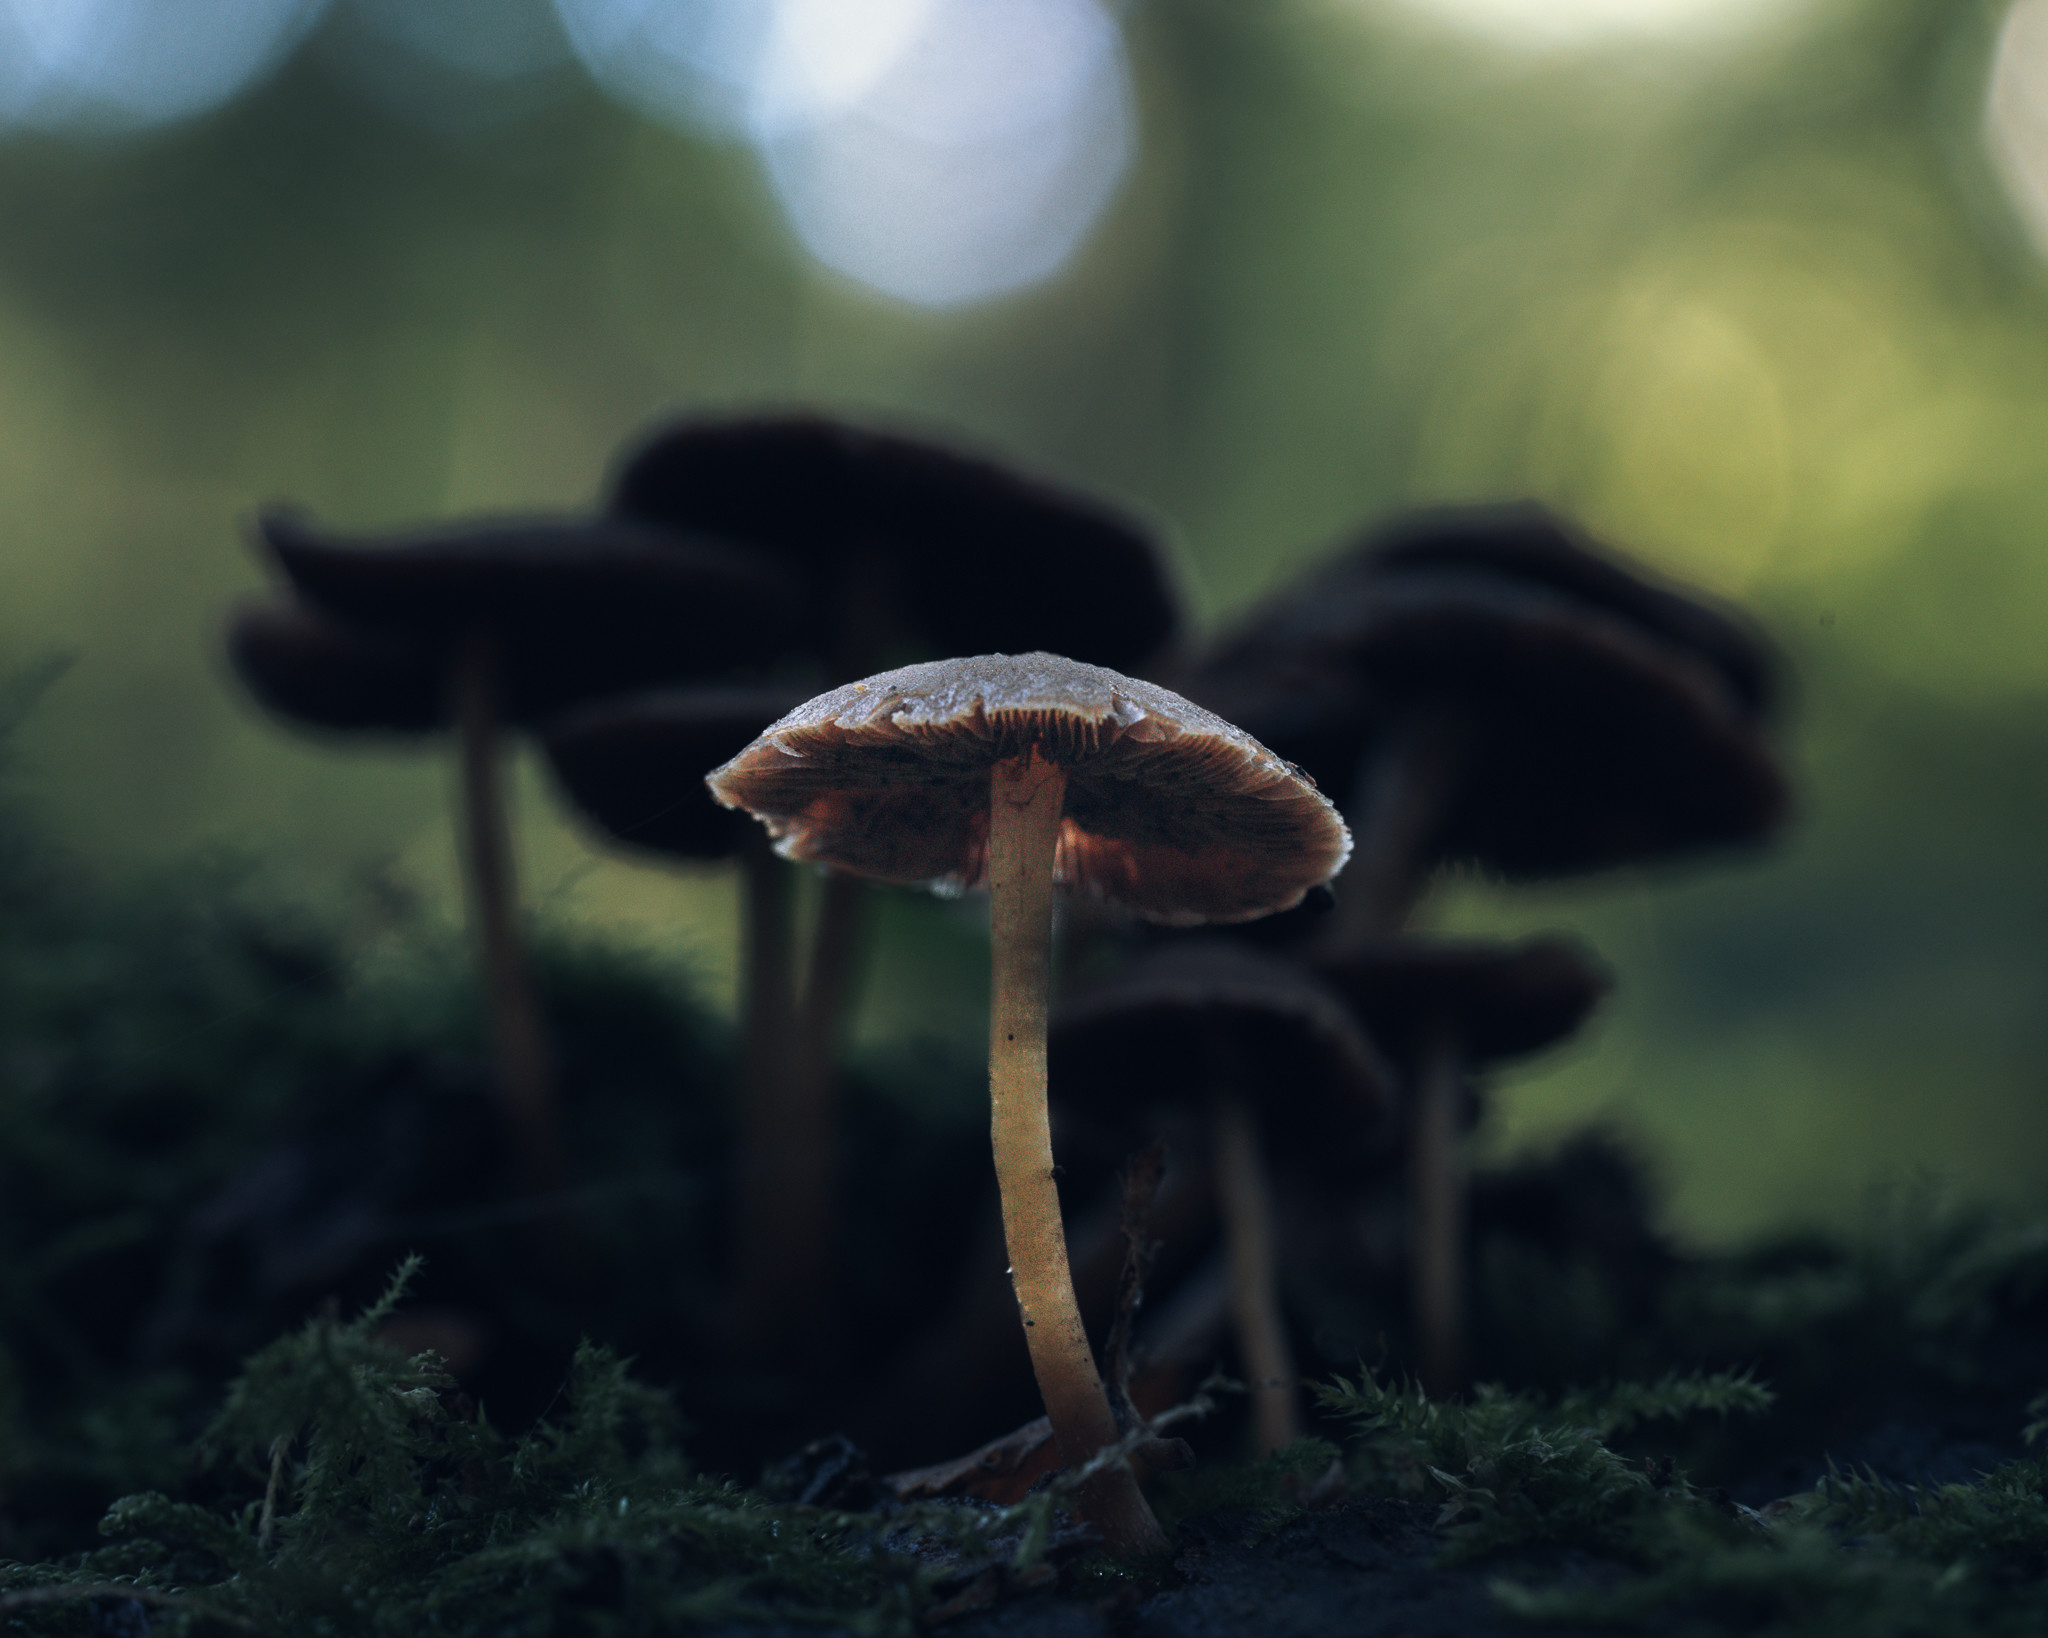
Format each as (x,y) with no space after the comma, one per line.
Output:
(1171,812)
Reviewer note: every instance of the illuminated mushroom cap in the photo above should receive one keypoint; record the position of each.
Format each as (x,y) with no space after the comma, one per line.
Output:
(1170,812)
(1186,1019)
(916,542)
(1497,1001)
(634,767)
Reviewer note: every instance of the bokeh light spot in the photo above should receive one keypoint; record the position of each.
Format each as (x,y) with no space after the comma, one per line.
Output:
(123,64)
(978,164)
(740,67)
(939,151)
(1553,23)
(2016,114)
(1697,458)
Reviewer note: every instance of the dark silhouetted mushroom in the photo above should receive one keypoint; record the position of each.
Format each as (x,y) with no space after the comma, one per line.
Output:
(1445,1009)
(479,625)
(312,670)
(910,551)
(635,766)
(1022,772)
(913,547)
(1273,1059)
(1480,683)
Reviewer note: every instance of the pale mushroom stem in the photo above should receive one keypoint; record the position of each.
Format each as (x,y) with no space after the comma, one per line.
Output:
(1027,794)
(1437,1195)
(525,1066)
(1254,1286)
(764,1182)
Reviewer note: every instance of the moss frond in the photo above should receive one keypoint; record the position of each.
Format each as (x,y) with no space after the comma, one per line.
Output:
(1512,1469)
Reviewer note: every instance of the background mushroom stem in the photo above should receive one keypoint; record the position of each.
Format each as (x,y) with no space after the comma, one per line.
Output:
(1247,1203)
(1437,1187)
(768,1208)
(1027,794)
(831,983)
(1395,808)
(526,1075)
(809,1136)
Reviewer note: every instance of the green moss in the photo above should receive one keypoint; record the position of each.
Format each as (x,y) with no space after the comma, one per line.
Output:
(157,1037)
(1511,1469)
(353,1490)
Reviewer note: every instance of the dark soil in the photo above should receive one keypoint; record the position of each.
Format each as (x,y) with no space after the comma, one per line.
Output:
(1366,1568)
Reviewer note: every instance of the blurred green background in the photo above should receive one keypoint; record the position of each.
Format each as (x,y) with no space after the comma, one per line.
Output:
(1751,296)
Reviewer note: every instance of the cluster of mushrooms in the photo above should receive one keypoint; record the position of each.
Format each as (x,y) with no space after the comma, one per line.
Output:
(782,601)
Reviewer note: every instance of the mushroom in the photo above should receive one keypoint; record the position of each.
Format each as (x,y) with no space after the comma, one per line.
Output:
(874,522)
(1024,772)
(1445,1009)
(1484,684)
(483,624)
(1271,1058)
(634,766)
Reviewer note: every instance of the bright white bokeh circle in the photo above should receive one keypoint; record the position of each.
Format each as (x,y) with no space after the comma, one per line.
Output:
(1562,23)
(740,67)
(978,164)
(941,152)
(122,64)
(2016,114)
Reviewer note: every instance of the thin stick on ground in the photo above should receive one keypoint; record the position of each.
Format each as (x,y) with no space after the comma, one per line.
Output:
(1142,1176)
(268,1522)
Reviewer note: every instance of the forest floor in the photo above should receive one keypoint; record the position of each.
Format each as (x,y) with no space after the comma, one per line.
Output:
(226,1119)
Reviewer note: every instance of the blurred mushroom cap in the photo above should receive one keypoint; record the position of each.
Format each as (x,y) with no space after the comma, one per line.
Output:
(634,767)
(1184,1020)
(579,607)
(1590,741)
(1527,542)
(1171,812)
(323,674)
(934,551)
(1611,717)
(1498,1001)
